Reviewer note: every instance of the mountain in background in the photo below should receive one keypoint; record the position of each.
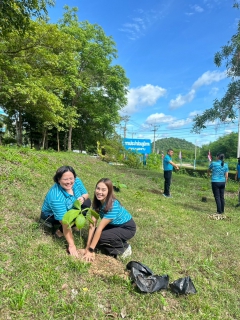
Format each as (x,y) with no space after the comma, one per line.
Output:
(172,143)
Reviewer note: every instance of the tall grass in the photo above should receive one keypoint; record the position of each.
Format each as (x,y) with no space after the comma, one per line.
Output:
(174,236)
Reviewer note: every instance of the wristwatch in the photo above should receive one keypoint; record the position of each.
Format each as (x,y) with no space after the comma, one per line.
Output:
(91,250)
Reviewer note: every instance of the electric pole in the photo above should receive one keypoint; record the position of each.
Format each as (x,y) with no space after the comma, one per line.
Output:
(155,128)
(125,119)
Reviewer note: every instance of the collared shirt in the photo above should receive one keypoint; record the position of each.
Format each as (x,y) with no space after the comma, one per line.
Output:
(118,214)
(166,164)
(58,201)
(238,171)
(218,171)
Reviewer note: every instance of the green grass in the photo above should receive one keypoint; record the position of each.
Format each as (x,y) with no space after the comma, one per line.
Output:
(174,236)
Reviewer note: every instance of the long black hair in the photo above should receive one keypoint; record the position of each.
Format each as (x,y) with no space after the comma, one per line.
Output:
(221,157)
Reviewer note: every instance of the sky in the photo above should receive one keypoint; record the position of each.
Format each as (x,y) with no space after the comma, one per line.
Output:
(167,50)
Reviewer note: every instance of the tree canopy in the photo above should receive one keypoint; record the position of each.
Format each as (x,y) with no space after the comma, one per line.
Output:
(59,84)
(17,14)
(226,108)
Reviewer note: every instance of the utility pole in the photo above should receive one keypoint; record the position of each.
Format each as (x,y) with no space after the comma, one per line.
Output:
(125,119)
(155,128)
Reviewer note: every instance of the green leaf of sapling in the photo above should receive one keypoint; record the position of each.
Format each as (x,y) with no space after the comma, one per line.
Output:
(80,221)
(70,216)
(93,213)
(77,204)
(89,219)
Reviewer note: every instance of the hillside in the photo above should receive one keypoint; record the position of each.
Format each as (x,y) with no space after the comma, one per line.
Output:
(174,143)
(175,237)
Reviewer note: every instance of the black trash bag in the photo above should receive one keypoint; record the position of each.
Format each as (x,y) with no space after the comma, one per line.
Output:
(139,266)
(183,286)
(144,278)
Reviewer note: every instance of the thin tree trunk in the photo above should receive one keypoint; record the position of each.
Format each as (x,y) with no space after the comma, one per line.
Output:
(65,141)
(19,129)
(70,138)
(44,137)
(58,143)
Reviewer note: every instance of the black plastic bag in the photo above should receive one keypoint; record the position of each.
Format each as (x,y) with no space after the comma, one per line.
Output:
(139,266)
(183,286)
(144,278)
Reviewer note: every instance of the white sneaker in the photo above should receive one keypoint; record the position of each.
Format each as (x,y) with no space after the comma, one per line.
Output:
(127,252)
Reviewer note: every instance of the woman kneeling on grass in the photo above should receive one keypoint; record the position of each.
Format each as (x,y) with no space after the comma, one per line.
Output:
(60,198)
(116,225)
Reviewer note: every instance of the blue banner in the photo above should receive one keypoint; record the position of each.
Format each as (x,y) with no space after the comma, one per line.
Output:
(140,145)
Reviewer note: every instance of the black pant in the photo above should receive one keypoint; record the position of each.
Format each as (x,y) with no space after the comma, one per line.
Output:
(113,240)
(218,192)
(54,222)
(167,182)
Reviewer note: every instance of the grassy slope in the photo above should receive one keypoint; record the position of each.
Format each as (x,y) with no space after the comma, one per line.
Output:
(174,237)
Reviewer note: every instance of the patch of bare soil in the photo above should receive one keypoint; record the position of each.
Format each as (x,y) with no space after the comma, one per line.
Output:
(155,191)
(106,266)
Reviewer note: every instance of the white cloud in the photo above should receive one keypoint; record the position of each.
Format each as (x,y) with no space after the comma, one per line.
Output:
(143,96)
(214,91)
(194,113)
(197,8)
(209,77)
(181,100)
(158,118)
(138,25)
(179,123)
(194,9)
(228,131)
(206,79)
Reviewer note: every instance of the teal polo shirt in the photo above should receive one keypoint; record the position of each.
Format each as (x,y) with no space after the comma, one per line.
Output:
(218,171)
(57,201)
(118,214)
(167,166)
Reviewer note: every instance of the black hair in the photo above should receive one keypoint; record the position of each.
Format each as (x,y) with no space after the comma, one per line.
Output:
(60,171)
(169,150)
(221,157)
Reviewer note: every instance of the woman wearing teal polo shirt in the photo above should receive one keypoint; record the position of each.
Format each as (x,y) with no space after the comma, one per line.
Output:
(60,198)
(219,178)
(115,228)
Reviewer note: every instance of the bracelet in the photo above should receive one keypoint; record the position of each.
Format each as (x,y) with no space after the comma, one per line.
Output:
(83,198)
(91,250)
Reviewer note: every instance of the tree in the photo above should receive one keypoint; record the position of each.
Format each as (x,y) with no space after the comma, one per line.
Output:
(226,144)
(225,109)
(98,91)
(16,14)
(31,76)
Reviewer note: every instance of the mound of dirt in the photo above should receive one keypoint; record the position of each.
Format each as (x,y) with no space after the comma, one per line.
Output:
(107,266)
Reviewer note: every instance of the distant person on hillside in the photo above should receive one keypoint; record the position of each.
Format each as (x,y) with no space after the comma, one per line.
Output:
(237,178)
(60,198)
(168,165)
(115,228)
(219,178)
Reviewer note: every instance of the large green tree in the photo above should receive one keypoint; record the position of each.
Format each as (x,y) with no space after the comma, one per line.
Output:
(226,108)
(100,86)
(17,14)
(31,75)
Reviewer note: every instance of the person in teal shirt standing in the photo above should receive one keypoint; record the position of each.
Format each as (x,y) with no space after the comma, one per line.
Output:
(219,178)
(237,178)
(168,165)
